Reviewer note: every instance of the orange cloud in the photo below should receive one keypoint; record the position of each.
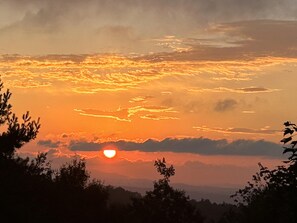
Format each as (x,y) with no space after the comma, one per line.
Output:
(126,114)
(142,99)
(244,90)
(262,131)
(89,74)
(119,115)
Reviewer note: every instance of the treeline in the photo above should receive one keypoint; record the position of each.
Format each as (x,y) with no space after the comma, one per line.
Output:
(31,191)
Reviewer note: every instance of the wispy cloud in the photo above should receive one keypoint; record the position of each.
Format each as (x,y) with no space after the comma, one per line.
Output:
(263,131)
(255,90)
(248,112)
(119,114)
(157,117)
(141,99)
(91,74)
(243,90)
(127,114)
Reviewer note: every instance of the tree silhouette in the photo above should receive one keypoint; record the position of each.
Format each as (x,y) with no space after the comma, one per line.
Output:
(30,190)
(164,203)
(73,174)
(272,194)
(17,134)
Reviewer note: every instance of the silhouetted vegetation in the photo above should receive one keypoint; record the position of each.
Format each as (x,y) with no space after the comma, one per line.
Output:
(272,194)
(31,191)
(212,212)
(164,203)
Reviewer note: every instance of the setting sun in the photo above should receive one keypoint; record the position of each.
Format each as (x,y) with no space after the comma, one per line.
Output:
(109,153)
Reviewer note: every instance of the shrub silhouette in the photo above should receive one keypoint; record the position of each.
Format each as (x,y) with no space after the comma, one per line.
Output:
(30,191)
(17,134)
(164,203)
(272,194)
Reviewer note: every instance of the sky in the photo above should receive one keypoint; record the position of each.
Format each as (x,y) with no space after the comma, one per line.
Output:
(205,84)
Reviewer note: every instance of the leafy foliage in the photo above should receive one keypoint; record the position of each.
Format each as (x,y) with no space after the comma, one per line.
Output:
(74,174)
(272,194)
(289,131)
(17,134)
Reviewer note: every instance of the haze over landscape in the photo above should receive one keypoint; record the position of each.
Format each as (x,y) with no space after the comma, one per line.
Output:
(206,84)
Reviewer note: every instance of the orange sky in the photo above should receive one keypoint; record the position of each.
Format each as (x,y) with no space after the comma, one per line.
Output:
(208,87)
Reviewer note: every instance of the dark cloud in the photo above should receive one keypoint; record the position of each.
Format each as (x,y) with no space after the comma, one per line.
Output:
(84,146)
(63,23)
(189,145)
(225,105)
(49,143)
(199,9)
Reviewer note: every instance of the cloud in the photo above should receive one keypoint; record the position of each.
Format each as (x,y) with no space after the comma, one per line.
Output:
(82,73)
(243,40)
(202,146)
(28,84)
(119,114)
(156,117)
(255,90)
(244,90)
(126,114)
(49,143)
(248,112)
(203,11)
(263,131)
(84,146)
(225,105)
(91,74)
(83,26)
(142,99)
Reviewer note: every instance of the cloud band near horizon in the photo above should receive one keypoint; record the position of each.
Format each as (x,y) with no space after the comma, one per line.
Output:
(203,146)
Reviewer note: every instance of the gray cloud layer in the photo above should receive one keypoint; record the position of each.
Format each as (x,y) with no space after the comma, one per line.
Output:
(189,145)
(81,26)
(48,143)
(251,39)
(212,10)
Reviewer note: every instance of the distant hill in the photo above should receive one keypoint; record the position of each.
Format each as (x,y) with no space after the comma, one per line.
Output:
(212,212)
(213,193)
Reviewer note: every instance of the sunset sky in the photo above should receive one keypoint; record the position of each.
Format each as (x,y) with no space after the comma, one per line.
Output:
(205,84)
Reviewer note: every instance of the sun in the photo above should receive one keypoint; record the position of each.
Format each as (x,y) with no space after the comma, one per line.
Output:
(109,153)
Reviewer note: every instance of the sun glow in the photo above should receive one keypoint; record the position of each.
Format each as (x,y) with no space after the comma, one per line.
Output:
(109,153)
